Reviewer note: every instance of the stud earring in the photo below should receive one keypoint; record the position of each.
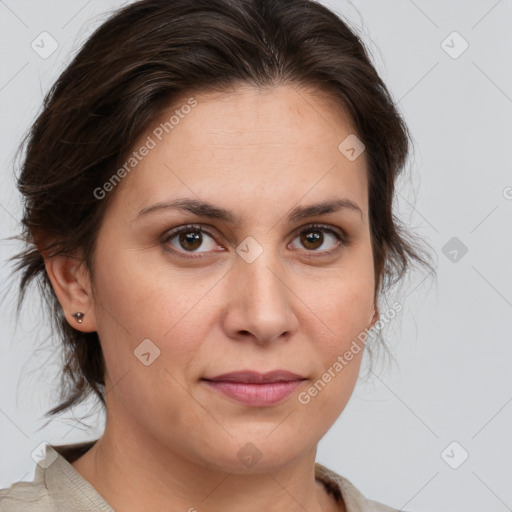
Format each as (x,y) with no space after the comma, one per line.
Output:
(79,317)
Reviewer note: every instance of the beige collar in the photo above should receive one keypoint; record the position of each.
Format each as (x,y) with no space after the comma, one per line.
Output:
(64,482)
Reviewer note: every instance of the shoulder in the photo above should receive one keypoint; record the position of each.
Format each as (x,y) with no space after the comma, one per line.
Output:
(25,497)
(353,499)
(36,496)
(56,485)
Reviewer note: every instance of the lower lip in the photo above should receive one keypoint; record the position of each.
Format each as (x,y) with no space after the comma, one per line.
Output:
(256,394)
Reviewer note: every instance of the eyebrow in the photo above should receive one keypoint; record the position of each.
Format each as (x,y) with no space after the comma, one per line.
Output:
(205,209)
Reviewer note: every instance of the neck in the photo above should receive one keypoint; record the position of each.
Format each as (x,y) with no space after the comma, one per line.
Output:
(134,472)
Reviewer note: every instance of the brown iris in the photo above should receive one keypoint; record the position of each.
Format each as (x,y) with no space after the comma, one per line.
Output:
(191,239)
(312,237)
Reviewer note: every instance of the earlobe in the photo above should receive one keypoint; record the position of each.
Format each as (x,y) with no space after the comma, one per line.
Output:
(79,317)
(374,317)
(71,284)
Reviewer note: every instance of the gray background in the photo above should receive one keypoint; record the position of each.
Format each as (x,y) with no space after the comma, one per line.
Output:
(451,379)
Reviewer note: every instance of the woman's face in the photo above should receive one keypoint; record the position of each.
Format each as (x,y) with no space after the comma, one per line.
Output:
(249,292)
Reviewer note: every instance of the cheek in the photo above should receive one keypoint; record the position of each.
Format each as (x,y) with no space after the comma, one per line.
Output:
(138,299)
(337,318)
(339,307)
(143,296)
(342,317)
(131,311)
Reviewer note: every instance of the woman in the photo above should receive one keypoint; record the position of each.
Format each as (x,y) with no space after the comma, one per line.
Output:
(208,206)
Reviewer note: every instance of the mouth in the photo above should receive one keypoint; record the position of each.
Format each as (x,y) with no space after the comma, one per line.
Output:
(256,389)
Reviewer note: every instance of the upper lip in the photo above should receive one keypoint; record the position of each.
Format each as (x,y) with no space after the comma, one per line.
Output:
(253,377)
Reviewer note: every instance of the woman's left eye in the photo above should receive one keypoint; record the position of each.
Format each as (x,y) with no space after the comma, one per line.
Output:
(314,237)
(190,238)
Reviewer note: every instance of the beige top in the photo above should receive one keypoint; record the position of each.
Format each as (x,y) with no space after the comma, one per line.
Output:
(57,486)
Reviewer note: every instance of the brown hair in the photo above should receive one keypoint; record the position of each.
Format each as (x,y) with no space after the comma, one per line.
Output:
(132,66)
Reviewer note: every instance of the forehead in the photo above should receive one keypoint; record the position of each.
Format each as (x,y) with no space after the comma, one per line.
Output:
(276,144)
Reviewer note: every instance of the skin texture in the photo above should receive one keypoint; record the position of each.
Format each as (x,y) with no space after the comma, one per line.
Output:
(171,442)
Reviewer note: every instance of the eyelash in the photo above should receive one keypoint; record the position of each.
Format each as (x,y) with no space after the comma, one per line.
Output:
(341,237)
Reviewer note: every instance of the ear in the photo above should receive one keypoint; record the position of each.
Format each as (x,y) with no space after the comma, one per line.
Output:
(71,283)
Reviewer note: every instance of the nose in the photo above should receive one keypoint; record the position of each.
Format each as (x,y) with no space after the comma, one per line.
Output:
(262,303)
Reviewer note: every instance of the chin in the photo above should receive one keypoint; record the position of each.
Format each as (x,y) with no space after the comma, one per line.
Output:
(259,450)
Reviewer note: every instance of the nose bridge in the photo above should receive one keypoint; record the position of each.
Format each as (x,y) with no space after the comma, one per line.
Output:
(264,284)
(262,304)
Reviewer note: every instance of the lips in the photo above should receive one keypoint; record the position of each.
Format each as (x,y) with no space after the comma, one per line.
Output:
(255,389)
(252,377)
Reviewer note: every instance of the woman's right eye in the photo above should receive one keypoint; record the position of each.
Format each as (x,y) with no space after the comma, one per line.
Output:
(188,239)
